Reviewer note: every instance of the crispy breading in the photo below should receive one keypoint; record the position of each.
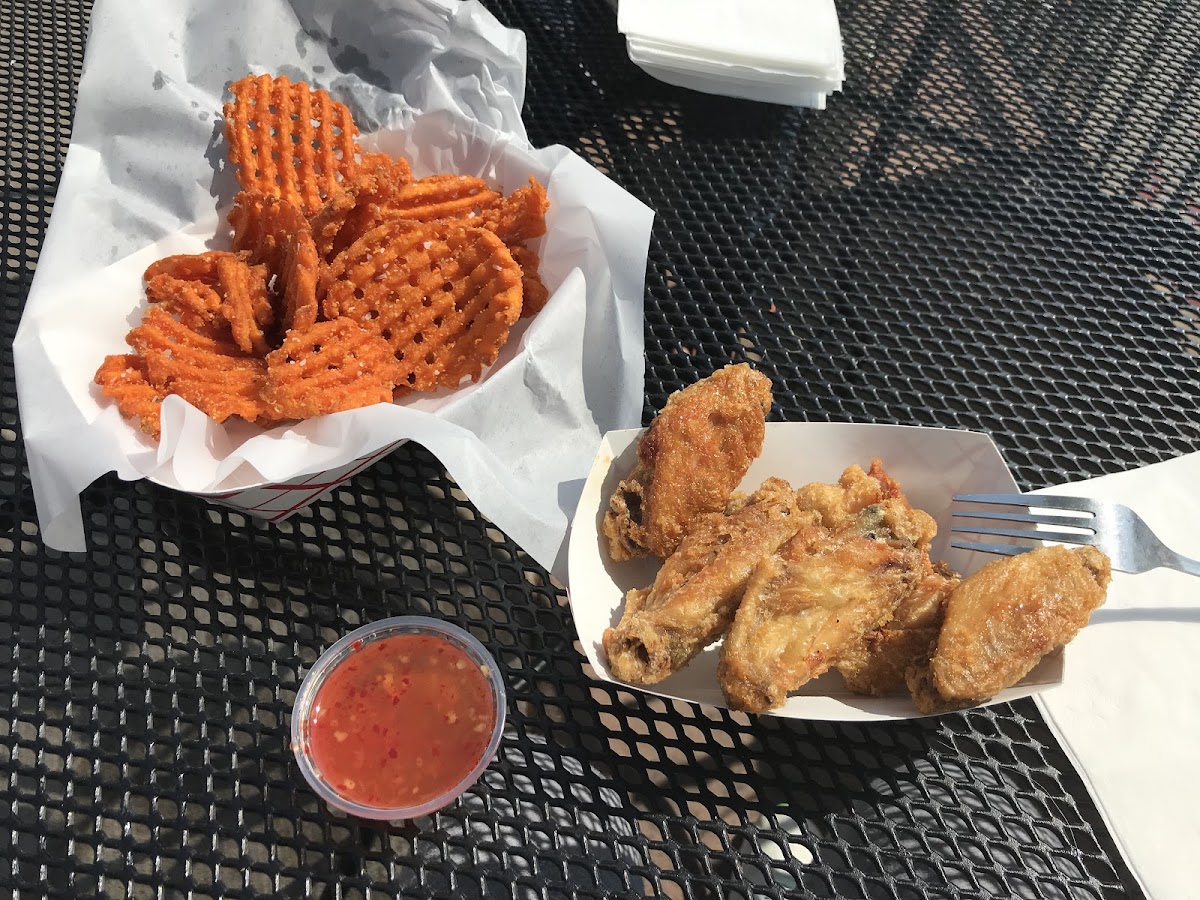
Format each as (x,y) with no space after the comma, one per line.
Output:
(819,596)
(877,665)
(1002,620)
(695,452)
(839,504)
(697,591)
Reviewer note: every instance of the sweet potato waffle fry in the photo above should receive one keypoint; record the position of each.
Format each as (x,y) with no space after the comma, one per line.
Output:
(444,302)
(300,282)
(534,293)
(392,169)
(327,368)
(351,213)
(195,302)
(520,217)
(287,140)
(444,197)
(212,374)
(349,282)
(246,303)
(123,378)
(188,266)
(262,225)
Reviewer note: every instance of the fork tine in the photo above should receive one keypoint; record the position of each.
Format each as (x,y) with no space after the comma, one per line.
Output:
(1039,518)
(1080,504)
(1063,536)
(1002,549)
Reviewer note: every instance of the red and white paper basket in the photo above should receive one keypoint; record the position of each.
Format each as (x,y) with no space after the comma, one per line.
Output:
(276,502)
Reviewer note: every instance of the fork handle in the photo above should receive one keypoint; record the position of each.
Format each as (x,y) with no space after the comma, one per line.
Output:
(1173,560)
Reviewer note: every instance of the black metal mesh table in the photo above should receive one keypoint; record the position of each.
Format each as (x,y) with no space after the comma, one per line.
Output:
(994,227)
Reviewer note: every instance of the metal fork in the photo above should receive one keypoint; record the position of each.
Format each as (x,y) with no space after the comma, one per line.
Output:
(1111,527)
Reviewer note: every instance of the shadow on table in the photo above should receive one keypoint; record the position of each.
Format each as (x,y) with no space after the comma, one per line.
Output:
(194,668)
(697,792)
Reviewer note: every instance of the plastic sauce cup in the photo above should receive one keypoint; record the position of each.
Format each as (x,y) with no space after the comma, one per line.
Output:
(353,650)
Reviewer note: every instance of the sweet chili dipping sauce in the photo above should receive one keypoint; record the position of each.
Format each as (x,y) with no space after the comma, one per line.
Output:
(401,720)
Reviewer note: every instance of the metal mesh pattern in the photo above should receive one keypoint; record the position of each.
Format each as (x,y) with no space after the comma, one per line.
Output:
(993,227)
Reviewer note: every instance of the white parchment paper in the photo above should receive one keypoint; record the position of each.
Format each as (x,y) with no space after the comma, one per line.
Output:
(439,81)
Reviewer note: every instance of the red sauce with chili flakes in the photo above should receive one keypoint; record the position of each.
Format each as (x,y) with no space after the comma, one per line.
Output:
(401,721)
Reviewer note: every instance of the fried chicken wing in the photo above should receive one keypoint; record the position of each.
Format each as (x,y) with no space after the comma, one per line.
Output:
(1002,620)
(695,452)
(820,595)
(877,665)
(839,505)
(697,590)
(925,696)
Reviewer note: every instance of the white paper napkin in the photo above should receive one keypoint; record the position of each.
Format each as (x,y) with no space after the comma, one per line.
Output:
(796,37)
(1128,711)
(788,53)
(808,92)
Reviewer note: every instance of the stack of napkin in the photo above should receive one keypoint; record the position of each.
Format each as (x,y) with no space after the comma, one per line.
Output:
(777,51)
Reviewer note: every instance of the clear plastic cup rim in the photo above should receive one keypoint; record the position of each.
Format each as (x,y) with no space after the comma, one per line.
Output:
(341,651)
